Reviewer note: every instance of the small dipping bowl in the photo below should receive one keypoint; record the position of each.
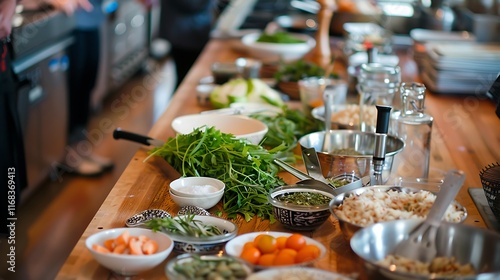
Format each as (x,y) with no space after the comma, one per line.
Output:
(197,186)
(300,217)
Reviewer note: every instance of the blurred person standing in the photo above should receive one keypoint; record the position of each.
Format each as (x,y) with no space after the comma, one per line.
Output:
(186,24)
(12,160)
(82,76)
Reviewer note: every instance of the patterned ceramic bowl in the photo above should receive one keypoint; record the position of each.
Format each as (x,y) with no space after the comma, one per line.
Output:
(298,215)
(207,244)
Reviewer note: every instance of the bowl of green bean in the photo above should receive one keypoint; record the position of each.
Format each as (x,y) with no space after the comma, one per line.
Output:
(192,266)
(196,234)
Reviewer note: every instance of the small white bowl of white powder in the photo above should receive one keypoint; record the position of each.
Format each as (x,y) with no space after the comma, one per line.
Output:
(196,186)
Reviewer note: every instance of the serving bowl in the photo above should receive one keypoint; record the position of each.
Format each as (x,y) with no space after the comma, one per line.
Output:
(205,244)
(190,266)
(206,201)
(126,264)
(347,116)
(240,126)
(197,187)
(384,203)
(277,51)
(467,244)
(300,217)
(352,152)
(235,247)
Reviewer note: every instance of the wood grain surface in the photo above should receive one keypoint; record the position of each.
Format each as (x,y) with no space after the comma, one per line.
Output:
(466,135)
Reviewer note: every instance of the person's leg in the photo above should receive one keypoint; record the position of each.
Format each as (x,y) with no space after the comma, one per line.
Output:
(184,60)
(82,72)
(82,76)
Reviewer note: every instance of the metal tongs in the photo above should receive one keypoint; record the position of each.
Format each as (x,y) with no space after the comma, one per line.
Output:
(421,242)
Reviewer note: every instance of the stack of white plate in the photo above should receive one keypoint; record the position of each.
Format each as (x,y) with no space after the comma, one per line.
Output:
(453,62)
(464,68)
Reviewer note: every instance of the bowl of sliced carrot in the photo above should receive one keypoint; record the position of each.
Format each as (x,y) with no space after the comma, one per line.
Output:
(129,251)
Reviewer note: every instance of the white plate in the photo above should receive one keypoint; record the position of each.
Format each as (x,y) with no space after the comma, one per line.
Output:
(296,273)
(426,35)
(235,246)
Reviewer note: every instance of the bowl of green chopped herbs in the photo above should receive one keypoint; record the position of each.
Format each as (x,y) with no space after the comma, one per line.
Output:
(277,46)
(196,234)
(301,207)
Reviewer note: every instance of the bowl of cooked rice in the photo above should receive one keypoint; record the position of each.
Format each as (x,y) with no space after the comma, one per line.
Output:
(365,206)
(463,252)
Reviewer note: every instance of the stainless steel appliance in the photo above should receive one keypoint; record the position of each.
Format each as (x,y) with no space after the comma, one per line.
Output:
(125,40)
(40,61)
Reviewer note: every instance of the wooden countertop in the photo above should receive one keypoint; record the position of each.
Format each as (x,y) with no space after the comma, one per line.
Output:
(465,136)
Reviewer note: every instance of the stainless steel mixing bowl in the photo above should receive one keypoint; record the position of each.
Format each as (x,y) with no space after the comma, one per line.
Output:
(467,244)
(349,229)
(338,162)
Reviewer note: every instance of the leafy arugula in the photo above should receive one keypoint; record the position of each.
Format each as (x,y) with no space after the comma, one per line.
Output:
(247,169)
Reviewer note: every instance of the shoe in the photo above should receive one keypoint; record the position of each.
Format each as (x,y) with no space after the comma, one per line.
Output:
(105,163)
(85,167)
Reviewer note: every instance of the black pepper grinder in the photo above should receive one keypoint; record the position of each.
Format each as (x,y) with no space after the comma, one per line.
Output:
(383,116)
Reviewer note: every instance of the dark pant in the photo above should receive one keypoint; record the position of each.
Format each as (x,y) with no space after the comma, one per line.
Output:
(82,75)
(12,162)
(183,59)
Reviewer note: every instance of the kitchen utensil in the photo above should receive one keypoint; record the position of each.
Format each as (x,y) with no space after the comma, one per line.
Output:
(421,242)
(353,152)
(311,161)
(328,102)
(350,207)
(300,217)
(304,178)
(464,243)
(328,97)
(142,139)
(313,167)
(383,116)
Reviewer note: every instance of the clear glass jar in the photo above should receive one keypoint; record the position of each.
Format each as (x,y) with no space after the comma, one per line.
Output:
(377,85)
(414,126)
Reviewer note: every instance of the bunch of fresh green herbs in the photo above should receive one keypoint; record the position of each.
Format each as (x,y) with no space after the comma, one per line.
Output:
(298,70)
(246,169)
(286,128)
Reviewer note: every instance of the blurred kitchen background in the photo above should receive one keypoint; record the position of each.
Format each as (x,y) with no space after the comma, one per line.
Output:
(132,52)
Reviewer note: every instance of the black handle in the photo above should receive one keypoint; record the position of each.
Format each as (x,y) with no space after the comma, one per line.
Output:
(383,115)
(120,134)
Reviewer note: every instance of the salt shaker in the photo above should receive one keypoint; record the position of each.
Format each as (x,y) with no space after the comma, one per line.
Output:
(414,126)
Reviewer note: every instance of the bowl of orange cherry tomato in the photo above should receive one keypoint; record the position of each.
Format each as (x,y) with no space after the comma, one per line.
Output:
(275,249)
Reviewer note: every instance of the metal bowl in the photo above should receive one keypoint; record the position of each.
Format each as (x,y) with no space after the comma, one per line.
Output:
(477,246)
(335,162)
(349,229)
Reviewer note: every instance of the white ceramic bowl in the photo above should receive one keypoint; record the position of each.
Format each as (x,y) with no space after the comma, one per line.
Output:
(205,202)
(235,246)
(128,265)
(196,186)
(277,51)
(207,244)
(240,126)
